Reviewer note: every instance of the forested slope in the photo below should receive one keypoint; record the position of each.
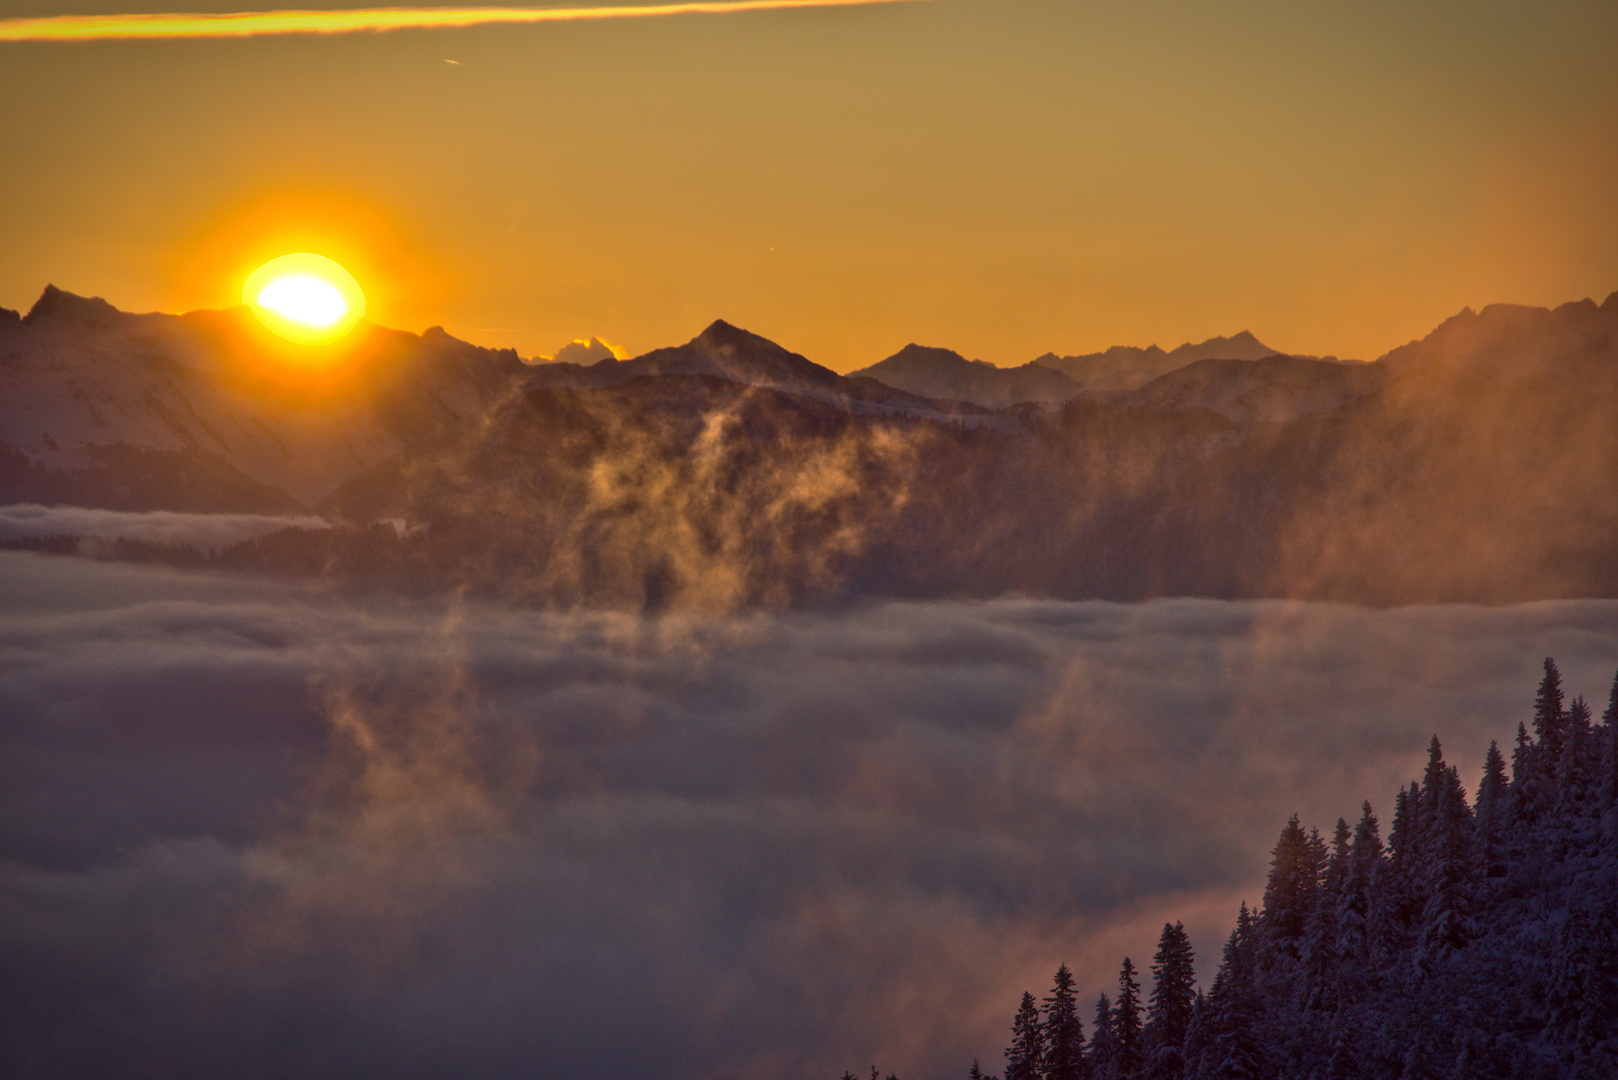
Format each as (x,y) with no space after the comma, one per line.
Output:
(1478,940)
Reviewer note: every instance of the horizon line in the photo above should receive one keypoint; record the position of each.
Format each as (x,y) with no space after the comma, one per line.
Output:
(133,27)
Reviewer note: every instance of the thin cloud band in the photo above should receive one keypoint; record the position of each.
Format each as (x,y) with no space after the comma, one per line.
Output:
(257,23)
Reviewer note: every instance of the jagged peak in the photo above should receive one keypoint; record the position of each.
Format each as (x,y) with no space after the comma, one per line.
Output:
(1611,302)
(59,305)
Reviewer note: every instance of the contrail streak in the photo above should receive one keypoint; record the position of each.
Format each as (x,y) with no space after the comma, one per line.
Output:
(254,23)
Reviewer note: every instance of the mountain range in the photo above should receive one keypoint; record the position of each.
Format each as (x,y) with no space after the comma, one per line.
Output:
(1475,464)
(1052,379)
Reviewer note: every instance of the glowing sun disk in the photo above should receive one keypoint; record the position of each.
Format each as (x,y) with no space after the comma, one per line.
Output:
(305,298)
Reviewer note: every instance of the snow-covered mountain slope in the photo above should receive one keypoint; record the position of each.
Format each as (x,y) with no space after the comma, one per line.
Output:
(77,375)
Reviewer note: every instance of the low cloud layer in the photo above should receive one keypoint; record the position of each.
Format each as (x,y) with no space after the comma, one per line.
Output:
(205,531)
(245,824)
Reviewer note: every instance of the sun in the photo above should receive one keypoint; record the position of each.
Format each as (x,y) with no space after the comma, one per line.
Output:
(305,298)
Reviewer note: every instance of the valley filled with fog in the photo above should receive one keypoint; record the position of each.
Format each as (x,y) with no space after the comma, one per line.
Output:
(335,834)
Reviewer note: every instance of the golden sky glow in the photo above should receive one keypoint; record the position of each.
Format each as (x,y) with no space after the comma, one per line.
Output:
(1001,177)
(254,23)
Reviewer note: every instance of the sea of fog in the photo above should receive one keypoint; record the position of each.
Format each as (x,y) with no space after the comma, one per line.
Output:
(249,828)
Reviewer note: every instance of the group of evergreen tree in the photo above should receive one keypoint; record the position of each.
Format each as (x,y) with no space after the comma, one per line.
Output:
(1479,941)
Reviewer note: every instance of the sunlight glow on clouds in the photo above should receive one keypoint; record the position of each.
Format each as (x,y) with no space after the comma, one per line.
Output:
(254,23)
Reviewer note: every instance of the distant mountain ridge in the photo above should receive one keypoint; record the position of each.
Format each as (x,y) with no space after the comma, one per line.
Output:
(1051,379)
(727,352)
(1478,464)
(943,373)
(94,400)
(1124,367)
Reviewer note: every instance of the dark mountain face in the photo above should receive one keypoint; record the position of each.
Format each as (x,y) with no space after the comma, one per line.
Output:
(943,374)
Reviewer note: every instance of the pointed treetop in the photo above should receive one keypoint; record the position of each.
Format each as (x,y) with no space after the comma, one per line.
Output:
(1492,786)
(1549,716)
(1578,715)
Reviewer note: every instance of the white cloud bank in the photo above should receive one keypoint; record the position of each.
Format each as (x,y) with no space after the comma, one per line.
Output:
(240,823)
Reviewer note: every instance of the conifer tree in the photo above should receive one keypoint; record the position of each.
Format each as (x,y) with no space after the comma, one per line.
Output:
(1432,778)
(1385,925)
(1127,1038)
(1574,768)
(1196,1038)
(1492,788)
(1025,1057)
(1402,887)
(1337,862)
(1549,719)
(1322,952)
(1290,892)
(1529,785)
(1354,902)
(1233,1049)
(1491,812)
(1450,871)
(1102,1056)
(1168,1014)
(1609,720)
(1064,1032)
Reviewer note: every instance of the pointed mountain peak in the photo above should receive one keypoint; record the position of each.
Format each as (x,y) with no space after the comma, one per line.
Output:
(721,334)
(927,354)
(59,305)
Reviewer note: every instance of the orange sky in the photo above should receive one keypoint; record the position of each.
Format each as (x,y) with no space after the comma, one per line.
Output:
(1002,177)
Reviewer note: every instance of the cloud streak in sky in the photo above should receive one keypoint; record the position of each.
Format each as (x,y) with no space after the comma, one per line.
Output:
(257,23)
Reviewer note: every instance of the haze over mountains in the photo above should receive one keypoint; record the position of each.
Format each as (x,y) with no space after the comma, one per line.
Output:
(730,471)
